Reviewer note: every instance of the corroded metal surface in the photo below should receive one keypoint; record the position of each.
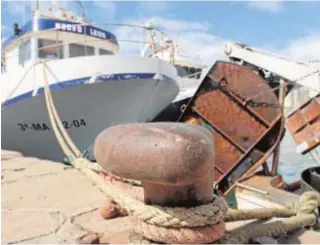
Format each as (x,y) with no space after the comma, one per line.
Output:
(170,159)
(246,86)
(247,129)
(243,114)
(304,124)
(156,152)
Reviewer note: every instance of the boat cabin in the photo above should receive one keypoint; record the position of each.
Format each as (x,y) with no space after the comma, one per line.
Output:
(51,36)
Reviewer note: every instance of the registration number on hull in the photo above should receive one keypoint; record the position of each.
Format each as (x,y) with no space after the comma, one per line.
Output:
(45,127)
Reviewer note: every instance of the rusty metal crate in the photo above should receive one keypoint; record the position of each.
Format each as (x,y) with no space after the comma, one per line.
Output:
(304,125)
(243,114)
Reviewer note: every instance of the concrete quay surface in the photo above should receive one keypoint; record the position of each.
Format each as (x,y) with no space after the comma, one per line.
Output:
(48,202)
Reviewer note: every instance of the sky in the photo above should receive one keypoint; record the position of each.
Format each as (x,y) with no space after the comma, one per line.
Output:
(199,28)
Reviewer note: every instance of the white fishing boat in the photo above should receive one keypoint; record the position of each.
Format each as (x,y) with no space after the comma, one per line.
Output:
(92,86)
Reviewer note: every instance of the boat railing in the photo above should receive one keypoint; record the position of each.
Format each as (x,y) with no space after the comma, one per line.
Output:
(190,58)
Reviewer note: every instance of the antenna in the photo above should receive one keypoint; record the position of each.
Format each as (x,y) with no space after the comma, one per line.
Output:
(82,8)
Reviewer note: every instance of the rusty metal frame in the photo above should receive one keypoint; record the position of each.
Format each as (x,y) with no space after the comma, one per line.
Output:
(254,145)
(243,152)
(244,105)
(249,173)
(223,134)
(303,120)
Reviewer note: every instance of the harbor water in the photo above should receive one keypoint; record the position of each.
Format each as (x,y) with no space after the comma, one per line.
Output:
(291,163)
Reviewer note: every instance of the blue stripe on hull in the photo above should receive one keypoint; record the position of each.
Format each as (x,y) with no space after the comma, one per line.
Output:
(80,81)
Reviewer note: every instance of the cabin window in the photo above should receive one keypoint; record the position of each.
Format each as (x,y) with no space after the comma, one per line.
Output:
(50,49)
(190,72)
(104,52)
(24,52)
(199,72)
(182,72)
(76,50)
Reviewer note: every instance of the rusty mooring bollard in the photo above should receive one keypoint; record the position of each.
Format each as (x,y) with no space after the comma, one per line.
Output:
(174,161)
(175,164)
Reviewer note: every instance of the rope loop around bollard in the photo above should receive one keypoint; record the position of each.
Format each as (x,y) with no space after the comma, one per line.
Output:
(176,217)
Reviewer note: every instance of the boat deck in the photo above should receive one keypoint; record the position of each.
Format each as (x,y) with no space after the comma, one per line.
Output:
(267,191)
(48,202)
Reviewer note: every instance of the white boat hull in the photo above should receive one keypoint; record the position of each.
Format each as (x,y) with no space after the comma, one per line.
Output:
(86,110)
(90,94)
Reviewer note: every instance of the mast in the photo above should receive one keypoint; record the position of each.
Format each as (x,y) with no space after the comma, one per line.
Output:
(82,8)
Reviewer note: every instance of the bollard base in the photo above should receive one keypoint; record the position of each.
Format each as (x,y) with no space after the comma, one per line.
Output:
(191,195)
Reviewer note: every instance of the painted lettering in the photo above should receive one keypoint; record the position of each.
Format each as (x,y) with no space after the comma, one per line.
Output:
(68,27)
(57,25)
(44,127)
(92,32)
(65,124)
(39,127)
(79,29)
(82,122)
(23,126)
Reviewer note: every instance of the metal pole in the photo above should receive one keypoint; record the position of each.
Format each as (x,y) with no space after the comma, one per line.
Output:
(251,188)
(276,153)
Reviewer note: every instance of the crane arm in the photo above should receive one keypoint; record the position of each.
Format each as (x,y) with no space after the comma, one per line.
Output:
(307,75)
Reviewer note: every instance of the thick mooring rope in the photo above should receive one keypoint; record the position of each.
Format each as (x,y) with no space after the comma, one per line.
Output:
(66,144)
(207,214)
(201,234)
(276,228)
(67,141)
(304,210)
(260,214)
(304,214)
(57,131)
